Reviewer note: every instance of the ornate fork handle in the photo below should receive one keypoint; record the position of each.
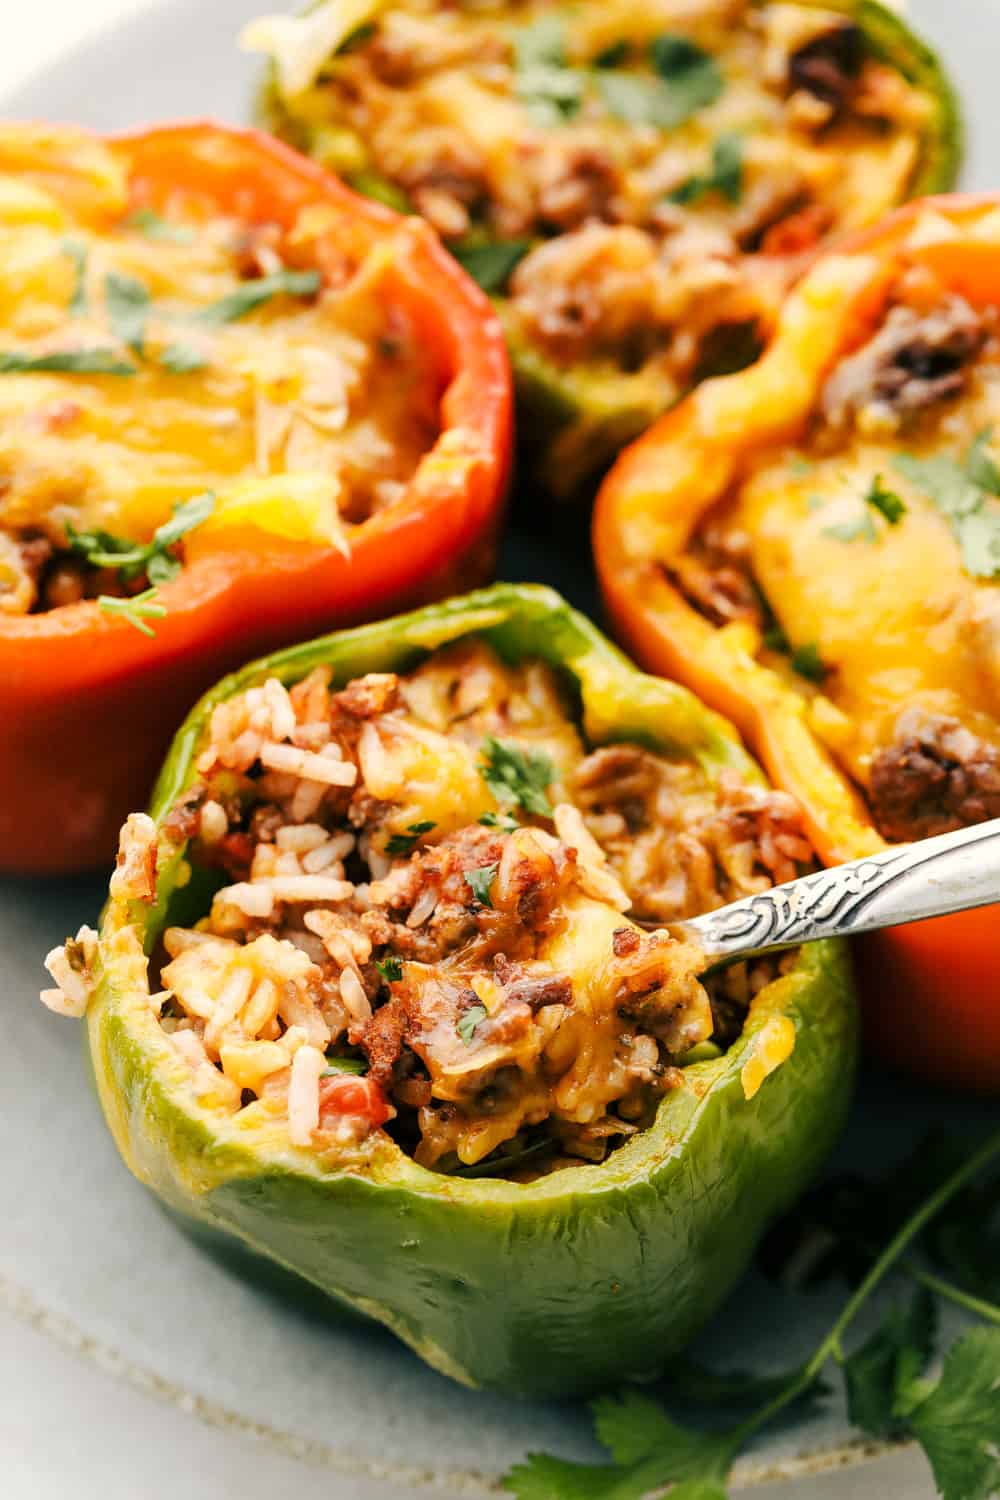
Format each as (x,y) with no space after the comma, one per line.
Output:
(906,883)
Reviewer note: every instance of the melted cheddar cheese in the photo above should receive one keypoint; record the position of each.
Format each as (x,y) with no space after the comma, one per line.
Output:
(300,406)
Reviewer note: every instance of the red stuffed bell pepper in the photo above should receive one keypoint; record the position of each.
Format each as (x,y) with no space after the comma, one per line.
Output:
(813,546)
(237,404)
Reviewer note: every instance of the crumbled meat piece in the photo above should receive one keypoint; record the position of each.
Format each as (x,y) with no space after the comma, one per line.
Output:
(624,940)
(382,1041)
(715,575)
(578,182)
(536,990)
(828,65)
(366,697)
(937,776)
(914,360)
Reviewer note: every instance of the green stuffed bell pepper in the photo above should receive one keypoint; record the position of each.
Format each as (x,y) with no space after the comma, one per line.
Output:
(372,998)
(635,190)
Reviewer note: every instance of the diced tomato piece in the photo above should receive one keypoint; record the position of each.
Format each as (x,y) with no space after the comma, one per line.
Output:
(345,1095)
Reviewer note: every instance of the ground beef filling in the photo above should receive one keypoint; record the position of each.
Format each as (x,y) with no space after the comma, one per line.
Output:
(935,777)
(425,922)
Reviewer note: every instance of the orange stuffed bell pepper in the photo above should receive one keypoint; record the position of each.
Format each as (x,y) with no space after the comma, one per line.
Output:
(813,545)
(237,404)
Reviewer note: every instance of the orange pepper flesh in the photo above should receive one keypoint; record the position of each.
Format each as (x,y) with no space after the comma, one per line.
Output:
(87,703)
(931,991)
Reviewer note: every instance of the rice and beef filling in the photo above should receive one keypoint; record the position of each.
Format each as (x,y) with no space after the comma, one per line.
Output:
(424,925)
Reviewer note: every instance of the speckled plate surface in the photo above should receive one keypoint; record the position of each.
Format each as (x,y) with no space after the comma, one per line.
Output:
(87,1257)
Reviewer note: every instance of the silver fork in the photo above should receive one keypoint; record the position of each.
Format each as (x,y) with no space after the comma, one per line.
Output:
(906,883)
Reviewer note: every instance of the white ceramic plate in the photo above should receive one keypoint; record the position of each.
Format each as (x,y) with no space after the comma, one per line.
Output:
(87,1256)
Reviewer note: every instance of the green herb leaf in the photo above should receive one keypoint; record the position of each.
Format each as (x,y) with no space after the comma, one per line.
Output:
(468,1021)
(252,294)
(863,527)
(95,361)
(127,303)
(480,880)
(638,100)
(102,549)
(980,465)
(880,1372)
(504,821)
(612,56)
(135,609)
(404,843)
(182,359)
(725,177)
(694,1384)
(958,1425)
(155,227)
(888,504)
(971,509)
(184,519)
(491,265)
(807,661)
(692,74)
(518,776)
(77,252)
(390,968)
(342,1065)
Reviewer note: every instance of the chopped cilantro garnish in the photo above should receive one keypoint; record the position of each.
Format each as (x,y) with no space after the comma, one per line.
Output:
(491,265)
(479,882)
(182,359)
(613,55)
(341,1065)
(102,549)
(155,227)
(468,1021)
(862,526)
(518,776)
(725,176)
(252,294)
(550,91)
(807,661)
(94,361)
(136,609)
(77,252)
(503,821)
(774,638)
(692,74)
(127,303)
(965,494)
(955,1417)
(390,968)
(885,501)
(404,843)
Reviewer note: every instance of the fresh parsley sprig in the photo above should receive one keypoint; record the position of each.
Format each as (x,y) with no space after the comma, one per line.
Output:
(518,776)
(955,1418)
(102,549)
(479,882)
(405,843)
(725,176)
(966,495)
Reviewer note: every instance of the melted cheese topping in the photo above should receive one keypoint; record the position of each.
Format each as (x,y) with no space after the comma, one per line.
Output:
(896,617)
(300,413)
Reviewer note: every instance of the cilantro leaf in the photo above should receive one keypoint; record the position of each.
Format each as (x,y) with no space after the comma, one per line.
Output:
(518,776)
(692,74)
(102,549)
(807,661)
(958,1424)
(127,303)
(252,294)
(879,1374)
(503,821)
(185,518)
(390,968)
(550,91)
(77,252)
(148,222)
(725,176)
(404,843)
(491,265)
(469,1020)
(94,361)
(980,464)
(969,507)
(136,609)
(850,531)
(480,880)
(885,501)
(613,55)
(341,1065)
(182,359)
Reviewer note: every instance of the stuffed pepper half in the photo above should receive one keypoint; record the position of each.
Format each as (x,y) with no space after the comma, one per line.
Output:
(237,403)
(636,184)
(814,546)
(382,991)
